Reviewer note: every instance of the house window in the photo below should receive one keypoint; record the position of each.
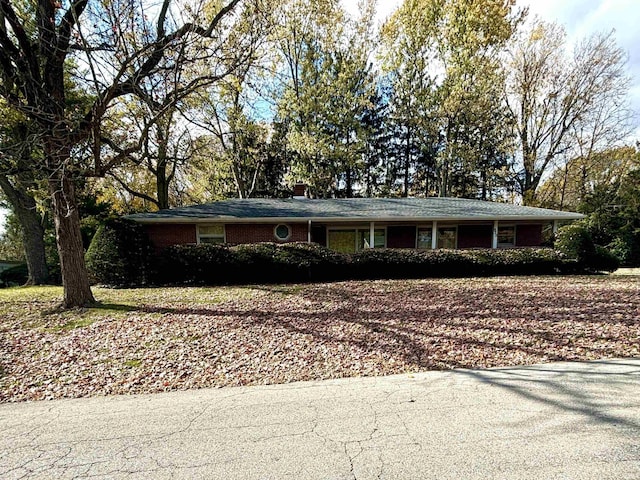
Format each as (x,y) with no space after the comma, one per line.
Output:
(365,238)
(506,236)
(425,238)
(211,234)
(343,241)
(282,232)
(447,237)
(354,239)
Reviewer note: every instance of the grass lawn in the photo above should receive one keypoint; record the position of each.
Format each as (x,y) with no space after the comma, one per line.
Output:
(151,340)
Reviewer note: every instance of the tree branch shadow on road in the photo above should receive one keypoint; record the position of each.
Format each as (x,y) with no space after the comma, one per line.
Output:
(566,398)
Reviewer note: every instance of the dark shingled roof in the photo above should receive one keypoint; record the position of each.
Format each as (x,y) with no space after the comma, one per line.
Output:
(343,209)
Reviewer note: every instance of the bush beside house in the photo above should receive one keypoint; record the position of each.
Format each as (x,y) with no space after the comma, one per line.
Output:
(120,254)
(13,275)
(575,241)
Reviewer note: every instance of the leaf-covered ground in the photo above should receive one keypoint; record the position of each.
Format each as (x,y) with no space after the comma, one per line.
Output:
(152,340)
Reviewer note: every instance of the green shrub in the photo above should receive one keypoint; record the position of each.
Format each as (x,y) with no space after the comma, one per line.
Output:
(120,254)
(603,260)
(206,264)
(251,263)
(575,242)
(270,262)
(300,262)
(14,276)
(456,263)
(627,248)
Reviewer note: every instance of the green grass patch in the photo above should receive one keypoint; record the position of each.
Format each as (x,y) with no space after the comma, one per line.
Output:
(133,363)
(73,324)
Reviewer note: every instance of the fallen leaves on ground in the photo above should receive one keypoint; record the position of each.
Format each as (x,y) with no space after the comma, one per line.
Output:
(181,338)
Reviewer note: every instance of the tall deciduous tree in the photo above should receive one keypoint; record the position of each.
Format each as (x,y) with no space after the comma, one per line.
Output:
(173,99)
(18,182)
(35,46)
(570,184)
(562,103)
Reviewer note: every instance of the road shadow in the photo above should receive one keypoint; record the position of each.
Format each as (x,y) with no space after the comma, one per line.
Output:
(531,382)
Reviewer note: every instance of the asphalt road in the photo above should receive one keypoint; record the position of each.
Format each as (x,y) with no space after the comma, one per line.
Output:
(557,421)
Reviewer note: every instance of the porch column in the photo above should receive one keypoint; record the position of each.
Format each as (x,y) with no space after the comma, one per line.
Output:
(309,232)
(555,227)
(372,234)
(434,235)
(494,240)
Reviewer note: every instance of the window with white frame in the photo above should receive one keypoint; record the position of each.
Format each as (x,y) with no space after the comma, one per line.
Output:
(448,237)
(211,234)
(425,238)
(506,236)
(350,240)
(365,238)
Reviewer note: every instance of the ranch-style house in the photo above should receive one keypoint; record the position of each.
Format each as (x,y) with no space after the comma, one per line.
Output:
(351,224)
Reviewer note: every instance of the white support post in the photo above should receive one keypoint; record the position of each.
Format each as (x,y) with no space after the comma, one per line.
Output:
(372,235)
(434,235)
(309,232)
(555,227)
(494,240)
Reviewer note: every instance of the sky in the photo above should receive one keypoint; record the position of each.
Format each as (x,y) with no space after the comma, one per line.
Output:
(580,18)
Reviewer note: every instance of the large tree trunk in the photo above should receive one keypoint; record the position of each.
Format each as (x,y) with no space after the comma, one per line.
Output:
(24,207)
(77,291)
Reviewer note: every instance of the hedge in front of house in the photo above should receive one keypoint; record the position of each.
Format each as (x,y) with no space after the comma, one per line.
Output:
(387,263)
(206,264)
(299,262)
(119,254)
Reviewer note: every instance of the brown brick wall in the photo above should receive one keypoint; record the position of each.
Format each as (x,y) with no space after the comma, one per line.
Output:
(528,235)
(256,233)
(163,236)
(401,237)
(475,236)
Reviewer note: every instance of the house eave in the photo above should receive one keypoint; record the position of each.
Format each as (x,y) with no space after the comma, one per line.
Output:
(270,220)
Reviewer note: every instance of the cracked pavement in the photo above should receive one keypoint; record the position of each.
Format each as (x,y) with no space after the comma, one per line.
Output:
(563,420)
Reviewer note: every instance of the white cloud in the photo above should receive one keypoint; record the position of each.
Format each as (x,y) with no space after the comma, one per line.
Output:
(384,8)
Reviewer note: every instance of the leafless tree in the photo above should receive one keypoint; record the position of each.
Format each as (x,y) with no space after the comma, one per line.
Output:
(561,102)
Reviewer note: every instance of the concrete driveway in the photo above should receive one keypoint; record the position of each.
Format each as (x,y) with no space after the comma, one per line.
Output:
(558,421)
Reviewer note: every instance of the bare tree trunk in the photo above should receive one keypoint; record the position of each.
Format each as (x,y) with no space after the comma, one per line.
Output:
(24,206)
(77,291)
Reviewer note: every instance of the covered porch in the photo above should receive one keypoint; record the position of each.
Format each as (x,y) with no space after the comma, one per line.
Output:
(353,237)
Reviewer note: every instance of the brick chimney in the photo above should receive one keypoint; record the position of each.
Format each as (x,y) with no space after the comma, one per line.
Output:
(299,191)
